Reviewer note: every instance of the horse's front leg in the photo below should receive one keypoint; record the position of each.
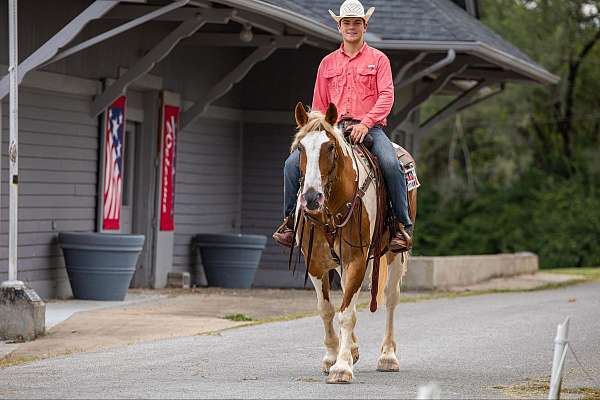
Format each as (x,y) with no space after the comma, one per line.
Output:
(342,370)
(354,346)
(327,313)
(388,361)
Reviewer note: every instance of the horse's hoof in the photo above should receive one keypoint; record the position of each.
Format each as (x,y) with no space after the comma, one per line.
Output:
(339,376)
(355,355)
(388,364)
(326,365)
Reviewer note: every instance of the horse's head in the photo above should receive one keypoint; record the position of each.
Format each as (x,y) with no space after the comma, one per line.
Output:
(319,149)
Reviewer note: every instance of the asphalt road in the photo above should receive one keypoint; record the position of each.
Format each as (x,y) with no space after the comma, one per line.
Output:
(467,345)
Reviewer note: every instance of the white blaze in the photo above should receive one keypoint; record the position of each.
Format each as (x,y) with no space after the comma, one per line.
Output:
(312,148)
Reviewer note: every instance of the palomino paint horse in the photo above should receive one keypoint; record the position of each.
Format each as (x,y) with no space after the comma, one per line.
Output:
(332,176)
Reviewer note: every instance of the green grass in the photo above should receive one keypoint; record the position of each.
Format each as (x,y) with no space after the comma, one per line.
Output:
(238,317)
(592,273)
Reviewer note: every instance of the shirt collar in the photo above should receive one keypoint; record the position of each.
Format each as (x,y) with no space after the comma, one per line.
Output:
(364,46)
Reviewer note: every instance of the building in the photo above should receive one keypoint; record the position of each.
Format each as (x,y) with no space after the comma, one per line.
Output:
(235,68)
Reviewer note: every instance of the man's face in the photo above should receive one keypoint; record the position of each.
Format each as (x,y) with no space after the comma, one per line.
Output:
(352,29)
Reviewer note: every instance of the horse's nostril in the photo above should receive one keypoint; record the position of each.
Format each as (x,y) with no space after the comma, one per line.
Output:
(313,199)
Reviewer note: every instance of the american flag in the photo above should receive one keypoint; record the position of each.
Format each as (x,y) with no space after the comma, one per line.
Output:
(113,164)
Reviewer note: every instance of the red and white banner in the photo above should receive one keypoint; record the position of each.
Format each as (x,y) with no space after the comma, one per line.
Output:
(170,129)
(114,147)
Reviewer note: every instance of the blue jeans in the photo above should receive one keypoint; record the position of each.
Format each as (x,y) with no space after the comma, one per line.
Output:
(393,175)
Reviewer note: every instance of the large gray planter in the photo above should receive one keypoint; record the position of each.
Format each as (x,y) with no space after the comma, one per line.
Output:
(230,260)
(100,266)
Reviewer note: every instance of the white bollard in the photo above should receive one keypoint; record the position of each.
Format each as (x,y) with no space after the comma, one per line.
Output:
(561,345)
(429,391)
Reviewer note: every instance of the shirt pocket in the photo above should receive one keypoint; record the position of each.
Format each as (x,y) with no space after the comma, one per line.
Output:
(334,78)
(367,81)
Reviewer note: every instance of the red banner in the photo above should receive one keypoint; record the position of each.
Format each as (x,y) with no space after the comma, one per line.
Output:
(114,148)
(167,192)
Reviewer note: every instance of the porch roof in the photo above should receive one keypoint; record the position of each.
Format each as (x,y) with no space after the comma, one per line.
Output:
(419,25)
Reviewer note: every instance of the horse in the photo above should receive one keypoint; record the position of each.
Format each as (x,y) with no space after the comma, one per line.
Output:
(337,226)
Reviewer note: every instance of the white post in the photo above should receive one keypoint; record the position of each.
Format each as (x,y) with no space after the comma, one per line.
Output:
(13,146)
(429,391)
(560,351)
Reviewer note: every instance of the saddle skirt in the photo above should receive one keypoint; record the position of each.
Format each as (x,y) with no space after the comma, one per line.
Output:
(408,165)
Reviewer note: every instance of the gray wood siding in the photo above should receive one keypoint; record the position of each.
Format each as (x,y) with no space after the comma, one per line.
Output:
(58,156)
(208,185)
(265,151)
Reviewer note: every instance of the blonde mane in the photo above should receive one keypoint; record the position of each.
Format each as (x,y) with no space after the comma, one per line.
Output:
(316,123)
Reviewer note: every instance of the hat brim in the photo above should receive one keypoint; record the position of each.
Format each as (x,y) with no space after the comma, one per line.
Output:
(366,17)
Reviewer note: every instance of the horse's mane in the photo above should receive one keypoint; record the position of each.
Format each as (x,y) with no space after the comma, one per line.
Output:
(316,123)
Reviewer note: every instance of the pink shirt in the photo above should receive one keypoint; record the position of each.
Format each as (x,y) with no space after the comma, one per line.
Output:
(361,87)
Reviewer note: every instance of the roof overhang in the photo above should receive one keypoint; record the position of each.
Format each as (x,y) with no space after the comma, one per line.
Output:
(478,49)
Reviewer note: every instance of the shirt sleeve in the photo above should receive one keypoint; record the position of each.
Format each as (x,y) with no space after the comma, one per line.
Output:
(385,94)
(321,95)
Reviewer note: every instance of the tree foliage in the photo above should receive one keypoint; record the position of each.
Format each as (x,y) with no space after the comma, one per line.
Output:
(522,171)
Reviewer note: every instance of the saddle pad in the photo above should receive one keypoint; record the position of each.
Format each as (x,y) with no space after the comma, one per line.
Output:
(409,165)
(412,182)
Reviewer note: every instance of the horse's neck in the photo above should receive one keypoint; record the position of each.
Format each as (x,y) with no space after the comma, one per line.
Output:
(345,183)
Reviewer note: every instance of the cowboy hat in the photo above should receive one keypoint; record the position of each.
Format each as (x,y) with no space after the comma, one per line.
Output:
(352,9)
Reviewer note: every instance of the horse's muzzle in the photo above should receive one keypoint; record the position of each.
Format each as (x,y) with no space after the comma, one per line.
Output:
(312,200)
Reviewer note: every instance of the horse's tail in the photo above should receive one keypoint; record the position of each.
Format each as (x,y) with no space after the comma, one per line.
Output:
(383,275)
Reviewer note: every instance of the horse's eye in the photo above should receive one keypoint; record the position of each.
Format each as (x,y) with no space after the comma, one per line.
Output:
(300,148)
(331,148)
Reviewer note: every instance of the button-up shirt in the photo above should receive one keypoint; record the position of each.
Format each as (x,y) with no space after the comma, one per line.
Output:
(361,87)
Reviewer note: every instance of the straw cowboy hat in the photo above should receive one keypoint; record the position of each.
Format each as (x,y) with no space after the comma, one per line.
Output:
(352,9)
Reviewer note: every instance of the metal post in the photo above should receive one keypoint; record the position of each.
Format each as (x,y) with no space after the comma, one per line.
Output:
(561,344)
(12,150)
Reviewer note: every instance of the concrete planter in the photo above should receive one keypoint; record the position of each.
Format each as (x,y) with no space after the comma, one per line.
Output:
(100,266)
(230,260)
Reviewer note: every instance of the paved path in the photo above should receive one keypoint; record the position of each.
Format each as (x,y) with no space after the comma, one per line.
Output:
(467,345)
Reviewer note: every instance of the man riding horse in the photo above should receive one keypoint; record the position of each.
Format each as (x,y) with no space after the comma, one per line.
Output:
(357,79)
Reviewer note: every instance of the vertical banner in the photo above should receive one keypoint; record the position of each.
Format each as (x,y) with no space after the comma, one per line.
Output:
(114,143)
(170,128)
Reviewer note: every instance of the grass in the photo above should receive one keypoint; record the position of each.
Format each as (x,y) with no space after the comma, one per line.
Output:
(591,273)
(10,361)
(539,388)
(238,317)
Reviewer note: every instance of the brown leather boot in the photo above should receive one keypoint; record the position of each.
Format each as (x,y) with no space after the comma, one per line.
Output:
(284,235)
(401,242)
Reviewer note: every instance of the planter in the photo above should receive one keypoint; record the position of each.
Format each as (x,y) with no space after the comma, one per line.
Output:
(230,260)
(100,266)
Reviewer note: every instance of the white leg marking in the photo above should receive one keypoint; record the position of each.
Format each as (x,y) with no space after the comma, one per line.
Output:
(342,372)
(388,361)
(327,313)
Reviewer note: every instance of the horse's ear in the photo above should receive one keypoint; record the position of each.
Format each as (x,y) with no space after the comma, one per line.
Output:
(331,115)
(301,115)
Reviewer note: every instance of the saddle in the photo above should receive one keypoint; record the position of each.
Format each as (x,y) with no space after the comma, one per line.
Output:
(408,165)
(385,218)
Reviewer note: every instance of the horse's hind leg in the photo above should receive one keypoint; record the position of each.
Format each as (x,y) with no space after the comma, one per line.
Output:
(327,312)
(388,361)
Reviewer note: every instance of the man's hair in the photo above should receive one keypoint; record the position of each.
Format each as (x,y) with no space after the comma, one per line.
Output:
(362,19)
